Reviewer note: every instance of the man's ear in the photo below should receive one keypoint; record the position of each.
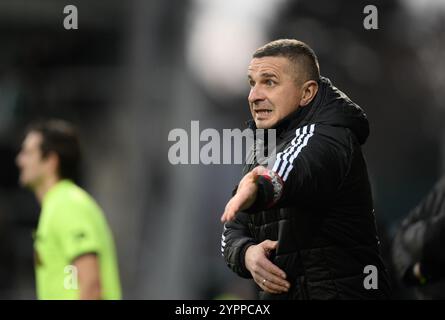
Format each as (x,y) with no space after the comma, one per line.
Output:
(52,160)
(309,90)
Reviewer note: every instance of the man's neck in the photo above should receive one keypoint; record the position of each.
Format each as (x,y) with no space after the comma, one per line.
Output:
(44,187)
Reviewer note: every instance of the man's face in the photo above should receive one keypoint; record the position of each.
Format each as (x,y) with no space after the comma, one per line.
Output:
(33,167)
(274,93)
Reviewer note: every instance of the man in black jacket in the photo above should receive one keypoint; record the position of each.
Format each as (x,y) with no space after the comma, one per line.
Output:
(418,254)
(304,227)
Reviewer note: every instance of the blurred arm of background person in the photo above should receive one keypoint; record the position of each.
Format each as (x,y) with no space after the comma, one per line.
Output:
(88,272)
(418,246)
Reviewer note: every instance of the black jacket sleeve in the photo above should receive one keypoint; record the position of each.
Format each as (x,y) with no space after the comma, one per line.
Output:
(312,166)
(236,238)
(420,238)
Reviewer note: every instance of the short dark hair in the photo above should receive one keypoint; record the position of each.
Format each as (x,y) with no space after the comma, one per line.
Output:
(60,137)
(296,51)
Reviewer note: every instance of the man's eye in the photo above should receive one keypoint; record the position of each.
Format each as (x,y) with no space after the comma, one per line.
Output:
(270,82)
(251,83)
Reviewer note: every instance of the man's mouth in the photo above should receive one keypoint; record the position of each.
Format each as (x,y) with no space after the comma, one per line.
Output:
(263,112)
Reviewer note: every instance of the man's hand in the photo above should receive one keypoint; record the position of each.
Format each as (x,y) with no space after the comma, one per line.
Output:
(418,274)
(245,195)
(268,276)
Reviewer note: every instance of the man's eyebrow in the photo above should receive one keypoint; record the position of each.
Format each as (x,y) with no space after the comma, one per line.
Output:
(268,75)
(263,75)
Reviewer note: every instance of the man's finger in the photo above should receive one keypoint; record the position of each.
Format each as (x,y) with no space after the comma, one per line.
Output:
(233,206)
(273,281)
(266,289)
(268,266)
(267,270)
(269,244)
(224,215)
(270,284)
(264,285)
(228,215)
(230,210)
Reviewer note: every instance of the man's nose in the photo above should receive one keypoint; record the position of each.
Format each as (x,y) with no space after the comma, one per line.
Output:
(256,94)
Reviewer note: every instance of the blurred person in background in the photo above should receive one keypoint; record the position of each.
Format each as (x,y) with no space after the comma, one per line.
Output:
(418,253)
(75,256)
(304,228)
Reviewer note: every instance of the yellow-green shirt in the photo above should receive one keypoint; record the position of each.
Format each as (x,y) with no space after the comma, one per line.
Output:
(71,224)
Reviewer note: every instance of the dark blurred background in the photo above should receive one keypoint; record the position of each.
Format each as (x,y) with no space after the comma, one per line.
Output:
(134,70)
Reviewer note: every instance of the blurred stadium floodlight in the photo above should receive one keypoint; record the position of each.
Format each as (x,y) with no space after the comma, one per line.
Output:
(222,37)
(429,16)
(429,6)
